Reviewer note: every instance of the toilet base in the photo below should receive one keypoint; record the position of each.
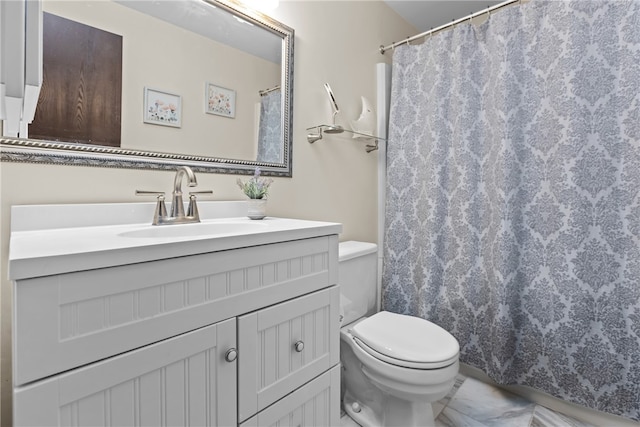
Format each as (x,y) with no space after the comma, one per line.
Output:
(395,413)
(363,415)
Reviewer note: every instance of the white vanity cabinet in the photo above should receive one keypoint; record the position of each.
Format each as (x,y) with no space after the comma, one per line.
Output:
(239,336)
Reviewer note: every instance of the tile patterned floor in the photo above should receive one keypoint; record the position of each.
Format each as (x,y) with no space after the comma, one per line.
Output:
(472,403)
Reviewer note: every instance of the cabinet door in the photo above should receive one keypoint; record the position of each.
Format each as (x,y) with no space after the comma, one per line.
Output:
(181,381)
(314,404)
(284,346)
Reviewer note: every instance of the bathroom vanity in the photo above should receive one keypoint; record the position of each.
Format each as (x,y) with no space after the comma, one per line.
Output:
(226,322)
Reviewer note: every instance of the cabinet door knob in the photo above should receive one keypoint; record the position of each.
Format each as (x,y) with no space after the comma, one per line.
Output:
(299,346)
(231,355)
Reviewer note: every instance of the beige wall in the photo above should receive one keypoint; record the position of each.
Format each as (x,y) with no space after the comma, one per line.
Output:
(333,179)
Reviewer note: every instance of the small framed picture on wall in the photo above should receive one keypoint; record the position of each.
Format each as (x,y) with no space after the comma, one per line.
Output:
(162,108)
(220,101)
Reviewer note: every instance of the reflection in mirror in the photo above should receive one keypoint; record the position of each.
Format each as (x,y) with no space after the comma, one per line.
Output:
(270,128)
(204,83)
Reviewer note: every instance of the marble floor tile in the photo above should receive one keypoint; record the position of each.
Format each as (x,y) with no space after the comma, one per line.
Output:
(543,417)
(440,404)
(346,421)
(460,378)
(452,418)
(437,408)
(491,406)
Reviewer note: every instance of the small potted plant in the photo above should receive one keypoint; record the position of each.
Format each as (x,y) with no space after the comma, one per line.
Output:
(256,188)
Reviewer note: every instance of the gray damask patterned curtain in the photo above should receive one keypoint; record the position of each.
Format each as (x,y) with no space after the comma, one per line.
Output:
(513,196)
(270,130)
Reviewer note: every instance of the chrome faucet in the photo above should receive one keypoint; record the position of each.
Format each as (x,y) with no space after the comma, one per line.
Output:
(177,206)
(177,216)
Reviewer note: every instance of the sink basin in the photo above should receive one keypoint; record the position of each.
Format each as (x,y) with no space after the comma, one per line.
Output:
(197,229)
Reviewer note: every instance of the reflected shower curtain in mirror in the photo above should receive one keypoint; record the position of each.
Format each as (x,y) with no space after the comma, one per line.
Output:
(270,130)
(513,196)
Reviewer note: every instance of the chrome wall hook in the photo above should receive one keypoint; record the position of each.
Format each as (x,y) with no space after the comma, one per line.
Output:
(313,137)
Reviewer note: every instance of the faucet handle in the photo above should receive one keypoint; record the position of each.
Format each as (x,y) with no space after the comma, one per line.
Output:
(149,193)
(161,209)
(192,210)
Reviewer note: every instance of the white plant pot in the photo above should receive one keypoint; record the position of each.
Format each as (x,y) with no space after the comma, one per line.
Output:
(257,208)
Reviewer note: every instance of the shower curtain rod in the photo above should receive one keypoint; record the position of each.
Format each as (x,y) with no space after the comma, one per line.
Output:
(383,48)
(266,91)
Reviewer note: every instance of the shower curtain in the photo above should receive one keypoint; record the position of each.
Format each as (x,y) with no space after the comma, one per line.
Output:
(513,196)
(270,130)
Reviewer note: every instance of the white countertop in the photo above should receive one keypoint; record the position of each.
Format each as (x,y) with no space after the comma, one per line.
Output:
(40,251)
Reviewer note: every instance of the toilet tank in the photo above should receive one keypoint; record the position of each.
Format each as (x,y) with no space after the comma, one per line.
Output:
(358,279)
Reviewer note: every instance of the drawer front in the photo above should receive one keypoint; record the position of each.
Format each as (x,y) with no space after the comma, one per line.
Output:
(284,346)
(181,381)
(314,404)
(68,320)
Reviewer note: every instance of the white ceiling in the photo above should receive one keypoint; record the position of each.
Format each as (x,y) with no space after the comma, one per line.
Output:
(214,23)
(427,14)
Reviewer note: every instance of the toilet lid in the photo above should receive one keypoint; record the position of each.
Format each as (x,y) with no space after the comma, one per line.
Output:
(409,341)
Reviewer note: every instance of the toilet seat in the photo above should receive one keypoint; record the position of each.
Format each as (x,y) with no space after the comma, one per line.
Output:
(406,341)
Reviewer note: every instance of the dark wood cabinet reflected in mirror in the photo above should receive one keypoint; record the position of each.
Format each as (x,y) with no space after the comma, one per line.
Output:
(81,96)
(222,71)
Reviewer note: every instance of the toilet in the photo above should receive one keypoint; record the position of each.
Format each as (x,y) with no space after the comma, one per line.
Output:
(393,366)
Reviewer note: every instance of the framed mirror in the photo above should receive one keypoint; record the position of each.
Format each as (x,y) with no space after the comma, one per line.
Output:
(204,83)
